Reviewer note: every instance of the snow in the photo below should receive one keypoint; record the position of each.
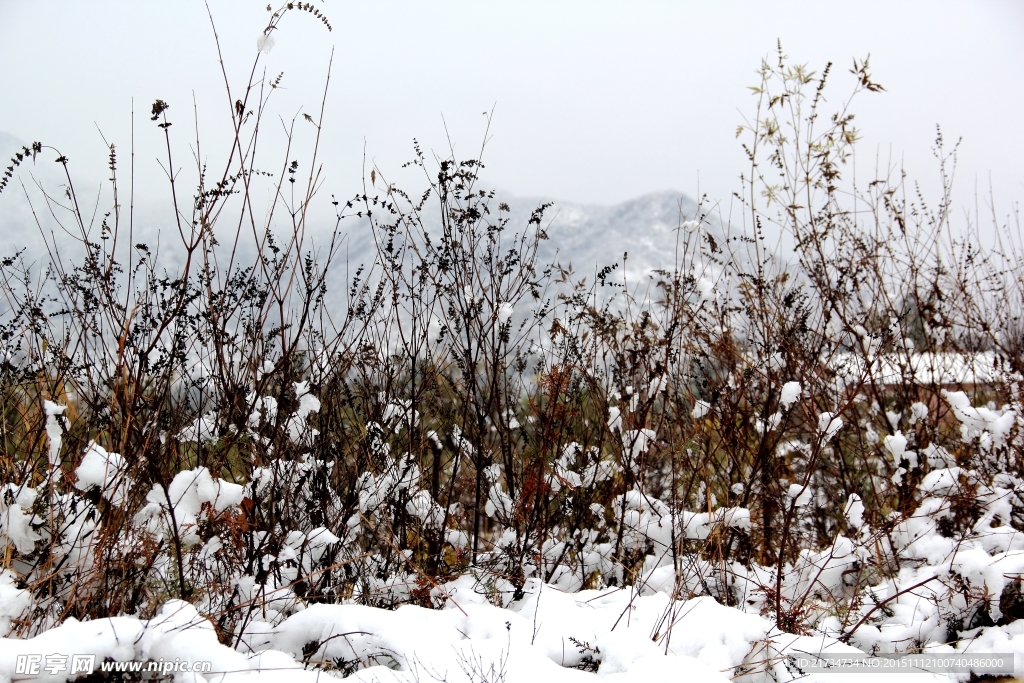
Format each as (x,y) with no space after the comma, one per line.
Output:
(504,312)
(896,444)
(265,42)
(548,635)
(790,393)
(700,409)
(800,494)
(14,601)
(926,369)
(671,624)
(685,615)
(637,441)
(54,433)
(187,493)
(105,471)
(829,425)
(16,518)
(979,421)
(854,511)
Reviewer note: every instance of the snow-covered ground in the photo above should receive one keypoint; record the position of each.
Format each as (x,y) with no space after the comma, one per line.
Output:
(612,635)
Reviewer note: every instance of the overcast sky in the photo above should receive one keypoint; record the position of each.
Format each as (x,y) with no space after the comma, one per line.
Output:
(593,101)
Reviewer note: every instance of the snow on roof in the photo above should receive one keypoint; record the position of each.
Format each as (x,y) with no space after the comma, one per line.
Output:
(940,369)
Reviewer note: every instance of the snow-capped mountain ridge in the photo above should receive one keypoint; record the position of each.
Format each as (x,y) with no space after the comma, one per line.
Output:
(587,236)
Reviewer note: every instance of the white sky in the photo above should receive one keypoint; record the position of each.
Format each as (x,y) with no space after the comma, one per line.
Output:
(595,101)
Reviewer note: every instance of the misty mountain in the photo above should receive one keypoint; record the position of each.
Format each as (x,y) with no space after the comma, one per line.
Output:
(587,236)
